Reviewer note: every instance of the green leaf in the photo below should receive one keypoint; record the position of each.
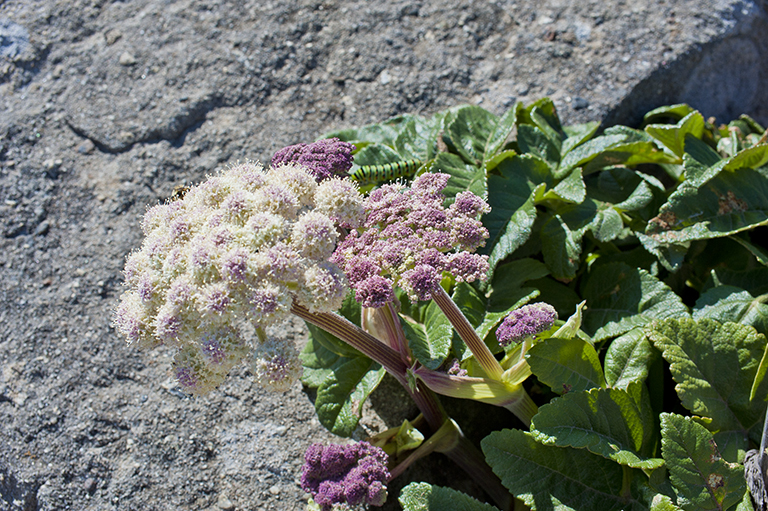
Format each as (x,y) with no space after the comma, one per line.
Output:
(509,277)
(752,157)
(612,423)
(714,366)
(426,497)
(729,203)
(332,343)
(702,478)
(620,298)
(662,502)
(376,154)
(463,176)
(414,141)
(503,129)
(628,359)
(674,136)
(544,115)
(510,196)
(577,135)
(532,140)
(629,154)
(588,150)
(430,342)
(566,365)
(569,189)
(607,225)
(340,398)
(381,133)
(318,363)
(469,129)
(557,478)
(729,303)
(560,250)
(675,112)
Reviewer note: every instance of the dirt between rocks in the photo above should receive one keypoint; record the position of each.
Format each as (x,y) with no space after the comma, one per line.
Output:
(106,106)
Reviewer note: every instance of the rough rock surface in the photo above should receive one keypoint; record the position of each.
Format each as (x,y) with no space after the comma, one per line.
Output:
(106,106)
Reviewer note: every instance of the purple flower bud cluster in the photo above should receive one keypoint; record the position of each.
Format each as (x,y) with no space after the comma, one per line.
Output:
(345,475)
(325,158)
(527,321)
(409,240)
(243,245)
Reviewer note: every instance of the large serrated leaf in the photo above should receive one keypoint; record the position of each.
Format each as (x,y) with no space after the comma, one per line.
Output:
(570,189)
(557,478)
(577,135)
(532,140)
(413,141)
(560,249)
(340,398)
(628,359)
(510,196)
(612,423)
(714,365)
(376,154)
(702,478)
(469,129)
(673,136)
(729,203)
(503,130)
(318,363)
(729,303)
(620,298)
(426,497)
(430,342)
(566,365)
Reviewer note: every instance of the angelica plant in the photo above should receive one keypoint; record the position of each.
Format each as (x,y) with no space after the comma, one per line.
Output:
(454,282)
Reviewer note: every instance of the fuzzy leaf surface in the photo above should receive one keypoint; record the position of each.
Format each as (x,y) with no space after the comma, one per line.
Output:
(612,423)
(714,365)
(340,398)
(566,365)
(427,497)
(431,341)
(549,478)
(620,298)
(628,359)
(702,478)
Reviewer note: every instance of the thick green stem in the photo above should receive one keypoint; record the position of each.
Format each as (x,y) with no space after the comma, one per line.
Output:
(481,352)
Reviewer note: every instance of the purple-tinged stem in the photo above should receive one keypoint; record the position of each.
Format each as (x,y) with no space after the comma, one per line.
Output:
(397,331)
(356,337)
(481,352)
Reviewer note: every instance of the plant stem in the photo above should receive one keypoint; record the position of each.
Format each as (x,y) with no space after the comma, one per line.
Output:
(481,352)
(357,338)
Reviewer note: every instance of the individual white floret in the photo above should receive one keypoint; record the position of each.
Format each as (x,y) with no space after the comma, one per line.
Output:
(341,200)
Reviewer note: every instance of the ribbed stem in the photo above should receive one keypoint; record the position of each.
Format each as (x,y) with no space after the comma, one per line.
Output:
(444,438)
(481,352)
(356,337)
(398,335)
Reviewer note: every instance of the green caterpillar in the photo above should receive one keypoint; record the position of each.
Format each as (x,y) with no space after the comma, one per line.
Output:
(368,174)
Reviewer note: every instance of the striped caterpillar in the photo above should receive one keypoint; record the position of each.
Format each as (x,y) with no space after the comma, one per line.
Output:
(369,174)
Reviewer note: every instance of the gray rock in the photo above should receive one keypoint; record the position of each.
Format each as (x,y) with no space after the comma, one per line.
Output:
(14,39)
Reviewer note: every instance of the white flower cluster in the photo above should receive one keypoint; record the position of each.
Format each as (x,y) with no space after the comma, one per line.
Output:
(239,247)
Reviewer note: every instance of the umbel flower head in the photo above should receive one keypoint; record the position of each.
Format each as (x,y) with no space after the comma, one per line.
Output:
(345,475)
(238,248)
(324,158)
(527,321)
(409,239)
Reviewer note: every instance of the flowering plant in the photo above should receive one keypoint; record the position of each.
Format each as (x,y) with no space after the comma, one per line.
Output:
(432,279)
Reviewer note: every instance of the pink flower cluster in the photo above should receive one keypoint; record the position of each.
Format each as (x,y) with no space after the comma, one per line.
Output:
(325,158)
(239,248)
(409,240)
(345,475)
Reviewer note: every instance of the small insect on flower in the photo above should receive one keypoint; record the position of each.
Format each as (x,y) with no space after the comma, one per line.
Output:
(369,174)
(179,191)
